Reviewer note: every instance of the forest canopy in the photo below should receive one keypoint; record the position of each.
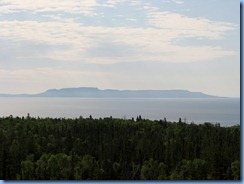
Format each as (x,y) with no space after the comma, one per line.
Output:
(116,149)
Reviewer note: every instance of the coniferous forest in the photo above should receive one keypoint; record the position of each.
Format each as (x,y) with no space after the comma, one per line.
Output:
(116,149)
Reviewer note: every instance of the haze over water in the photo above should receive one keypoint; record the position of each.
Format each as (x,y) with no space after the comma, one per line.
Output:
(225,111)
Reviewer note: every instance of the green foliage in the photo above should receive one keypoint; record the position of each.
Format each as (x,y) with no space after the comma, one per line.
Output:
(85,169)
(190,170)
(28,168)
(152,170)
(235,169)
(59,166)
(115,149)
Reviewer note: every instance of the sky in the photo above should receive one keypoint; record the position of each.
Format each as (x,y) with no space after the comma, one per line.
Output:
(120,44)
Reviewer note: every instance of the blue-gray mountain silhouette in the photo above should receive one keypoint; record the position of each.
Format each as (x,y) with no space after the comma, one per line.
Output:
(92,92)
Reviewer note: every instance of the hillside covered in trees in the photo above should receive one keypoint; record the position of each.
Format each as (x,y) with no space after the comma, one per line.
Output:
(117,149)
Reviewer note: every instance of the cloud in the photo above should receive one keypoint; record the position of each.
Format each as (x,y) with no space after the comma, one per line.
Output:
(185,26)
(179,2)
(52,33)
(148,7)
(109,49)
(85,7)
(113,3)
(71,41)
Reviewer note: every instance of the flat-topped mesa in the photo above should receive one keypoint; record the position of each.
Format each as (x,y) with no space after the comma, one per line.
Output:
(93,92)
(112,93)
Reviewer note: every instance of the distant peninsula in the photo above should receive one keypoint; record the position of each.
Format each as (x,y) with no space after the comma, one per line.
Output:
(93,92)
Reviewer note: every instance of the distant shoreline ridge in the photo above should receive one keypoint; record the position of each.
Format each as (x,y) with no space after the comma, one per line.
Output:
(93,92)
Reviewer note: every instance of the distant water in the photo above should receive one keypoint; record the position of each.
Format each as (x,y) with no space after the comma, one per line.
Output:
(225,111)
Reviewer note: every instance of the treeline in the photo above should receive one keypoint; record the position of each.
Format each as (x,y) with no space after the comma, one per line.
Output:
(117,149)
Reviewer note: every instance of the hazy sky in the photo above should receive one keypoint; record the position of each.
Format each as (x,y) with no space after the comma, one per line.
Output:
(120,44)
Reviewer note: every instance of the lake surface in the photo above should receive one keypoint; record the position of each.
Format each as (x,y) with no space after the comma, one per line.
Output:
(225,111)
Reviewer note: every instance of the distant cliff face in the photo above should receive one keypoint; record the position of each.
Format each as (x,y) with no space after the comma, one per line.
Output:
(92,92)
